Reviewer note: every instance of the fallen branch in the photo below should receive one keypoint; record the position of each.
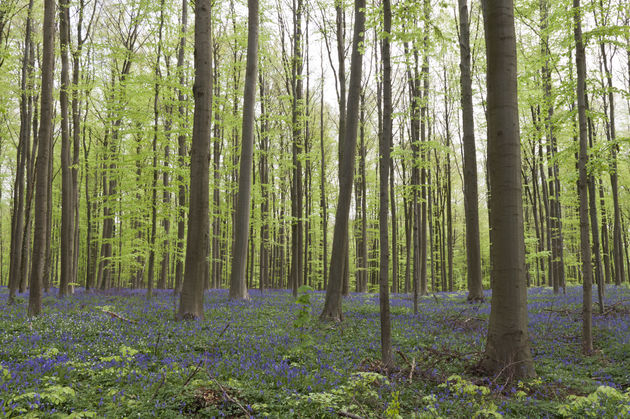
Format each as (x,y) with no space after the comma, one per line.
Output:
(118,316)
(230,398)
(192,374)
(411,370)
(345,414)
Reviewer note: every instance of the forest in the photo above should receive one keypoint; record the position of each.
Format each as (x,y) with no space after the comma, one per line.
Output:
(314,208)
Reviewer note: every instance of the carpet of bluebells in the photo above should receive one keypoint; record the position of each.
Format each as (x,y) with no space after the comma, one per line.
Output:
(117,354)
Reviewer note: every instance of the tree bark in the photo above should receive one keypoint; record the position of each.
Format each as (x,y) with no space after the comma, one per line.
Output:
(507,345)
(238,285)
(191,297)
(383,168)
(332,305)
(67,201)
(23,153)
(585,248)
(43,161)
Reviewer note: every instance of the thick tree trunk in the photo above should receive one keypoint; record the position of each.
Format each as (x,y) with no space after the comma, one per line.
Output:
(507,346)
(43,161)
(191,297)
(238,285)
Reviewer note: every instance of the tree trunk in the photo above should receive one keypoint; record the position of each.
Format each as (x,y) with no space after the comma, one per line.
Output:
(67,201)
(23,153)
(594,223)
(191,297)
(181,152)
(383,169)
(332,305)
(238,285)
(43,161)
(507,345)
(585,248)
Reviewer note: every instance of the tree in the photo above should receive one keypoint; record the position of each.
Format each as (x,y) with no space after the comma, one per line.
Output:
(507,344)
(67,201)
(238,284)
(332,305)
(191,297)
(43,161)
(383,168)
(585,247)
(471,209)
(23,153)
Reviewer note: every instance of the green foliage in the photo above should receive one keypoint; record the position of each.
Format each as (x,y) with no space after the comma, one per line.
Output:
(477,401)
(605,402)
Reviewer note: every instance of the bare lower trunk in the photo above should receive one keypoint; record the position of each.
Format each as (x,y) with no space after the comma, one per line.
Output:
(191,297)
(507,345)
(585,248)
(43,160)
(238,285)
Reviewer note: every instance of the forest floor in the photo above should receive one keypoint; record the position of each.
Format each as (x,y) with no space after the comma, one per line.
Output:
(116,355)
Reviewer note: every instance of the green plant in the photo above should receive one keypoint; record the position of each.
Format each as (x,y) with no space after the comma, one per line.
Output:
(605,402)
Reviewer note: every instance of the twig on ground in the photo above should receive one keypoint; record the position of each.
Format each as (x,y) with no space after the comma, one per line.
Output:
(192,374)
(411,370)
(158,387)
(230,398)
(117,316)
(345,414)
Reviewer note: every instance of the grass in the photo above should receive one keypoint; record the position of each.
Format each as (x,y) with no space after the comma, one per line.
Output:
(253,358)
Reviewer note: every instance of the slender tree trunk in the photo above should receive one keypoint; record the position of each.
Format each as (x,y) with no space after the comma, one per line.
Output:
(322,185)
(191,297)
(67,201)
(383,169)
(332,304)
(154,152)
(507,345)
(297,229)
(23,153)
(585,248)
(181,151)
(614,180)
(594,223)
(238,285)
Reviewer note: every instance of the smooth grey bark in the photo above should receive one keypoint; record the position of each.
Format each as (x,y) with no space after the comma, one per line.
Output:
(322,182)
(332,306)
(592,206)
(507,344)
(67,193)
(43,161)
(385,142)
(154,146)
(471,197)
(181,152)
(585,247)
(191,297)
(614,179)
(297,228)
(238,285)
